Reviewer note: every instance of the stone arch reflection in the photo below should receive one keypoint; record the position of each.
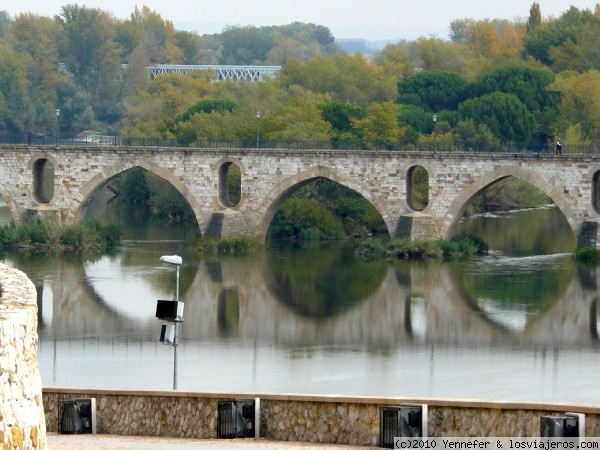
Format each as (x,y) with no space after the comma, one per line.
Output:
(415,302)
(320,284)
(515,292)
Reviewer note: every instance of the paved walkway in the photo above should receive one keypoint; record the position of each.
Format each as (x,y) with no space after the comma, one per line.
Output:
(111,442)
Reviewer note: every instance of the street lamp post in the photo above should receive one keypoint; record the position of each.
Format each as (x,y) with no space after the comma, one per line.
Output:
(257,129)
(57,136)
(175,261)
(434,133)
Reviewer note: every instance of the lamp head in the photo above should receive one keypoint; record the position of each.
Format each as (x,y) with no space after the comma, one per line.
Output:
(172,259)
(435,117)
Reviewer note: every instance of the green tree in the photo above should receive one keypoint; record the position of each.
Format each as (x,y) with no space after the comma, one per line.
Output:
(394,60)
(297,120)
(161,102)
(88,50)
(245,45)
(36,38)
(188,42)
(568,30)
(438,54)
(529,84)
(340,115)
(581,55)
(76,111)
(535,17)
(345,78)
(417,118)
(13,90)
(305,219)
(4,22)
(433,90)
(504,114)
(301,41)
(579,104)
(92,56)
(469,135)
(380,125)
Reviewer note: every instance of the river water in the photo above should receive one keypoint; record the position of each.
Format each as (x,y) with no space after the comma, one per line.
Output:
(517,324)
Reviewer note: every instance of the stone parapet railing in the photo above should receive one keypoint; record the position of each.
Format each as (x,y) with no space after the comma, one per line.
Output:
(306,418)
(22,420)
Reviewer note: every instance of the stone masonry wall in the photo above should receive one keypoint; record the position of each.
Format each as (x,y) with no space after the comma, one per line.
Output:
(270,176)
(305,418)
(22,420)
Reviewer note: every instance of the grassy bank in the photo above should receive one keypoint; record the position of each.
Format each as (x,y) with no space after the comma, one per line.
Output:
(228,246)
(458,247)
(46,236)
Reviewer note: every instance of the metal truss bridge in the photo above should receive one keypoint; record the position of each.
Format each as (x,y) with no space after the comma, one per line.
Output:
(251,74)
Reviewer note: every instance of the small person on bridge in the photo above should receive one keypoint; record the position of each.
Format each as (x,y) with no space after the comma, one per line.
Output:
(558,147)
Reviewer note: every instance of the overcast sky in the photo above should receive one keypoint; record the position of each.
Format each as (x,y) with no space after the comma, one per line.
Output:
(367,19)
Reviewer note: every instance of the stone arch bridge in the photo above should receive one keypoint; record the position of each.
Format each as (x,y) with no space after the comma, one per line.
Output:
(58,183)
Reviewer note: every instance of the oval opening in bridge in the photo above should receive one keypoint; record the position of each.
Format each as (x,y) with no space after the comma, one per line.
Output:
(43,181)
(230,183)
(417,188)
(596,192)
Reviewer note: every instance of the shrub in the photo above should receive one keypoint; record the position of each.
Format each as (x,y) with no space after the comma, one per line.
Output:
(45,235)
(229,246)
(588,255)
(304,218)
(461,246)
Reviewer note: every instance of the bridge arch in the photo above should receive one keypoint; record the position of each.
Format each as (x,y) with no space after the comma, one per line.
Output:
(12,207)
(284,190)
(77,207)
(458,206)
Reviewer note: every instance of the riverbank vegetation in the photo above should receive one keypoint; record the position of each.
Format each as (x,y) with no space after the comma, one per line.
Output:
(229,246)
(45,236)
(457,247)
(491,84)
(588,256)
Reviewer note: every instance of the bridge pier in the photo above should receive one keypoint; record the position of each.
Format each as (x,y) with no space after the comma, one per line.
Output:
(44,213)
(226,224)
(417,225)
(589,235)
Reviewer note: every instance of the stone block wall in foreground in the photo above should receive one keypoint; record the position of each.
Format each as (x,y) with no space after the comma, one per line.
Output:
(22,420)
(306,418)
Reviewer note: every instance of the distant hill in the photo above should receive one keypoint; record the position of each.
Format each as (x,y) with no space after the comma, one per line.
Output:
(362,45)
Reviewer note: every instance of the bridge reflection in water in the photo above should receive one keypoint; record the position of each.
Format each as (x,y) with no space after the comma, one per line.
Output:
(417,333)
